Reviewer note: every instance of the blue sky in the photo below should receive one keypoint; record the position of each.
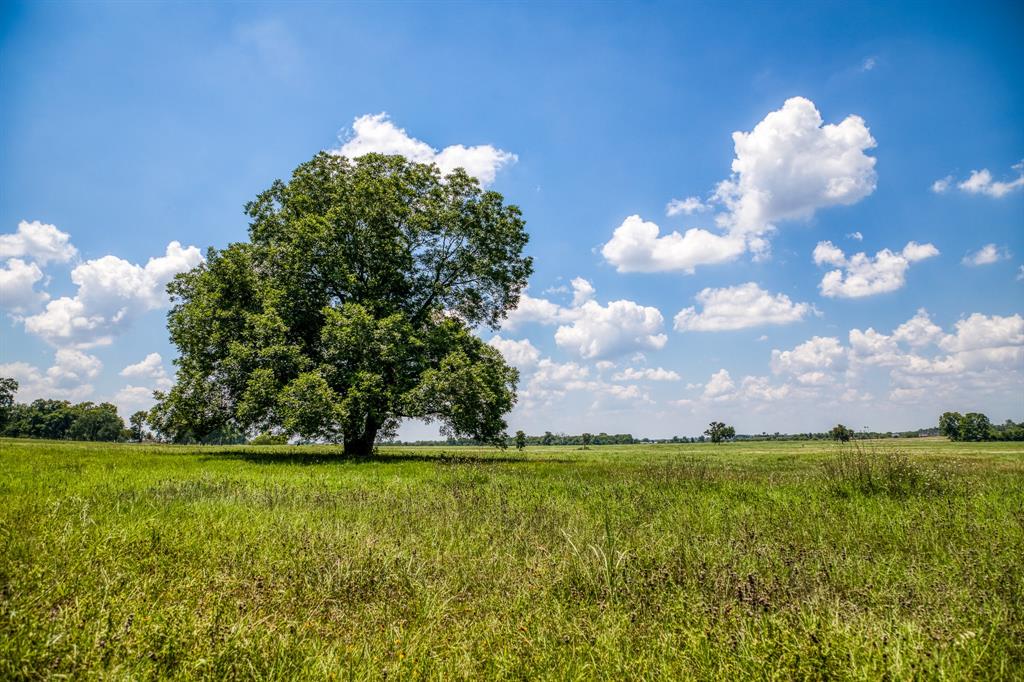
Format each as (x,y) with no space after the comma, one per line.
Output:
(138,131)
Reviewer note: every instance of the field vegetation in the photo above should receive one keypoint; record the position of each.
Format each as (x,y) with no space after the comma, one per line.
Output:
(789,560)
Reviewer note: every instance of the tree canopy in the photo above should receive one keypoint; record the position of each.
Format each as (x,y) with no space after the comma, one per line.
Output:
(719,431)
(350,308)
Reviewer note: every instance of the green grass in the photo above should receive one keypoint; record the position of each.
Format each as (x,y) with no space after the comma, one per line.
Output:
(672,561)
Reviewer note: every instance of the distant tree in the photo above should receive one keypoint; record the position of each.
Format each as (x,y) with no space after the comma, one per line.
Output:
(351,307)
(949,425)
(520,440)
(586,438)
(719,431)
(975,426)
(549,438)
(268,438)
(8,388)
(138,425)
(840,433)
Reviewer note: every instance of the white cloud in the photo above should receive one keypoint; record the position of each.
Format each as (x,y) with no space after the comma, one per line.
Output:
(719,385)
(869,63)
(111,291)
(17,286)
(38,241)
(582,291)
(942,185)
(592,330)
(687,206)
(863,275)
(130,399)
(918,330)
(614,329)
(986,255)
(978,332)
(818,353)
(520,353)
(791,165)
(636,246)
(739,307)
(151,367)
(788,167)
(376,133)
(538,310)
(855,235)
(68,378)
(646,374)
(1020,274)
(981,182)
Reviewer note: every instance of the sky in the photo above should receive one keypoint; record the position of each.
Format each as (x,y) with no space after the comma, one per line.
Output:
(782,216)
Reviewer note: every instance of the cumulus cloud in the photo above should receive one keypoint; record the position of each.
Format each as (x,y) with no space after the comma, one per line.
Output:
(739,307)
(520,353)
(68,378)
(687,206)
(720,384)
(17,286)
(613,329)
(863,275)
(856,236)
(942,185)
(793,164)
(40,242)
(788,167)
(111,292)
(591,330)
(918,330)
(636,246)
(810,357)
(986,255)
(376,133)
(981,182)
(646,374)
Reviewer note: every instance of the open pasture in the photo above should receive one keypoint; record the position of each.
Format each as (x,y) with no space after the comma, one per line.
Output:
(747,560)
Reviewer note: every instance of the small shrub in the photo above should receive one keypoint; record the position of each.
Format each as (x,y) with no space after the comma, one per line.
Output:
(864,470)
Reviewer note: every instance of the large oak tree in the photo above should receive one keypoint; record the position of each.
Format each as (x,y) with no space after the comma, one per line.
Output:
(351,307)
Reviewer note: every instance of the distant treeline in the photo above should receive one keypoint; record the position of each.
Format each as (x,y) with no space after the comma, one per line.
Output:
(62,420)
(627,439)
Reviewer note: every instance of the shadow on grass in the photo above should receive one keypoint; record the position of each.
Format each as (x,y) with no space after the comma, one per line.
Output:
(320,458)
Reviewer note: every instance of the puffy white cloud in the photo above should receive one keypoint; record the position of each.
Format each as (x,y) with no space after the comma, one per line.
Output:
(591,330)
(131,398)
(874,348)
(856,236)
(979,331)
(918,330)
(818,353)
(636,246)
(68,378)
(37,241)
(986,255)
(863,275)
(981,182)
(792,164)
(739,307)
(538,310)
(719,385)
(687,206)
(582,291)
(150,367)
(17,286)
(520,353)
(788,167)
(646,374)
(614,329)
(111,291)
(376,133)
(942,185)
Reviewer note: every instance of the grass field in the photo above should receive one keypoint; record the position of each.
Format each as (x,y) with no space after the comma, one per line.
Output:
(757,560)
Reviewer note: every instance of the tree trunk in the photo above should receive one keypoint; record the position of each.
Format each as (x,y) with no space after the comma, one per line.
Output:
(361,445)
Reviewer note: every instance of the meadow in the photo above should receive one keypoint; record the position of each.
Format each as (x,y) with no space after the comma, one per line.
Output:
(769,560)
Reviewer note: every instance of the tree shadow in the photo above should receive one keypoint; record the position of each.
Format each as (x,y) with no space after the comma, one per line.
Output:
(326,458)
